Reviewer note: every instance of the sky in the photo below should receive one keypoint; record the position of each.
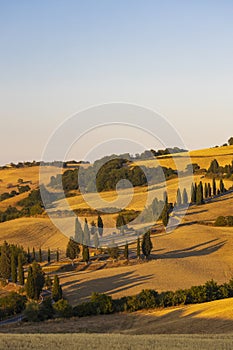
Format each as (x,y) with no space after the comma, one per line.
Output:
(62,56)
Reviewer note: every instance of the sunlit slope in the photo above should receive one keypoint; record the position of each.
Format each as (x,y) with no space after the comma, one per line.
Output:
(32,232)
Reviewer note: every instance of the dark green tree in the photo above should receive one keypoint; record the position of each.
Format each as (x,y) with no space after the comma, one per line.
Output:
(126,252)
(206,191)
(193,194)
(33,254)
(56,290)
(200,195)
(40,255)
(29,257)
(48,282)
(146,245)
(5,261)
(20,270)
(79,235)
(230,141)
(209,190)
(214,187)
(49,255)
(38,279)
(14,276)
(100,225)
(165,215)
(222,187)
(72,250)
(86,256)
(30,286)
(57,255)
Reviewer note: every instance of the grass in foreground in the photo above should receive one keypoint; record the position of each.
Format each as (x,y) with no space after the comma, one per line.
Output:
(115,342)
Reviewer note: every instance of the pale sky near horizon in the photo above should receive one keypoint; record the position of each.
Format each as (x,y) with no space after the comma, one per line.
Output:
(59,57)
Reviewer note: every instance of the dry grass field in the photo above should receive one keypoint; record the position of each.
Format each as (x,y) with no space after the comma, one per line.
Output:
(115,342)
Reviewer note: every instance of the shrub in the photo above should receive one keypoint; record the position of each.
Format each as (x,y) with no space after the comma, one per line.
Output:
(221,221)
(62,308)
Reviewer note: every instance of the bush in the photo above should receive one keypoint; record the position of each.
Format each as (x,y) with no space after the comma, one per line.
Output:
(221,221)
(12,304)
(62,308)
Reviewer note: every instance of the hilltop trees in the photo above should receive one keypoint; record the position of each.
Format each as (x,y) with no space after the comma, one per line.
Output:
(146,245)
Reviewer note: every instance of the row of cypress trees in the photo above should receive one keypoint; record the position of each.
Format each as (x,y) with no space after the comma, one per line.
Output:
(39,256)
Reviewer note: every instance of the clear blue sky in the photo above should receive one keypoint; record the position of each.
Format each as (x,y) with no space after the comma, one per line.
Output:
(60,56)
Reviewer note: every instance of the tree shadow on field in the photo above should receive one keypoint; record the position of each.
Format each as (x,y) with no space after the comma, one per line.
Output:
(109,285)
(201,249)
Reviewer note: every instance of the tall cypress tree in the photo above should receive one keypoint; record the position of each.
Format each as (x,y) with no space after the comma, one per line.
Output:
(138,248)
(221,186)
(185,197)
(33,254)
(146,245)
(206,191)
(30,287)
(14,276)
(96,240)
(56,289)
(86,256)
(200,196)
(178,198)
(100,225)
(214,187)
(193,194)
(165,215)
(78,237)
(49,256)
(20,270)
(5,261)
(209,190)
(86,239)
(40,255)
(57,255)
(29,257)
(126,251)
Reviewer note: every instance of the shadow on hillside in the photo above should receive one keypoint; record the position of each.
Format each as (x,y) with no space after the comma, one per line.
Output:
(202,249)
(109,285)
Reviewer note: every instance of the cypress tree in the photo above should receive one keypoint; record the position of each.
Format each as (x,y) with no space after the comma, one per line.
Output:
(206,191)
(178,198)
(165,197)
(222,187)
(165,215)
(29,258)
(146,245)
(126,251)
(40,255)
(96,240)
(57,255)
(20,270)
(5,261)
(49,256)
(138,248)
(56,290)
(14,276)
(193,194)
(38,279)
(30,287)
(214,187)
(185,197)
(209,190)
(78,237)
(86,240)
(86,256)
(33,254)
(100,225)
(200,196)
